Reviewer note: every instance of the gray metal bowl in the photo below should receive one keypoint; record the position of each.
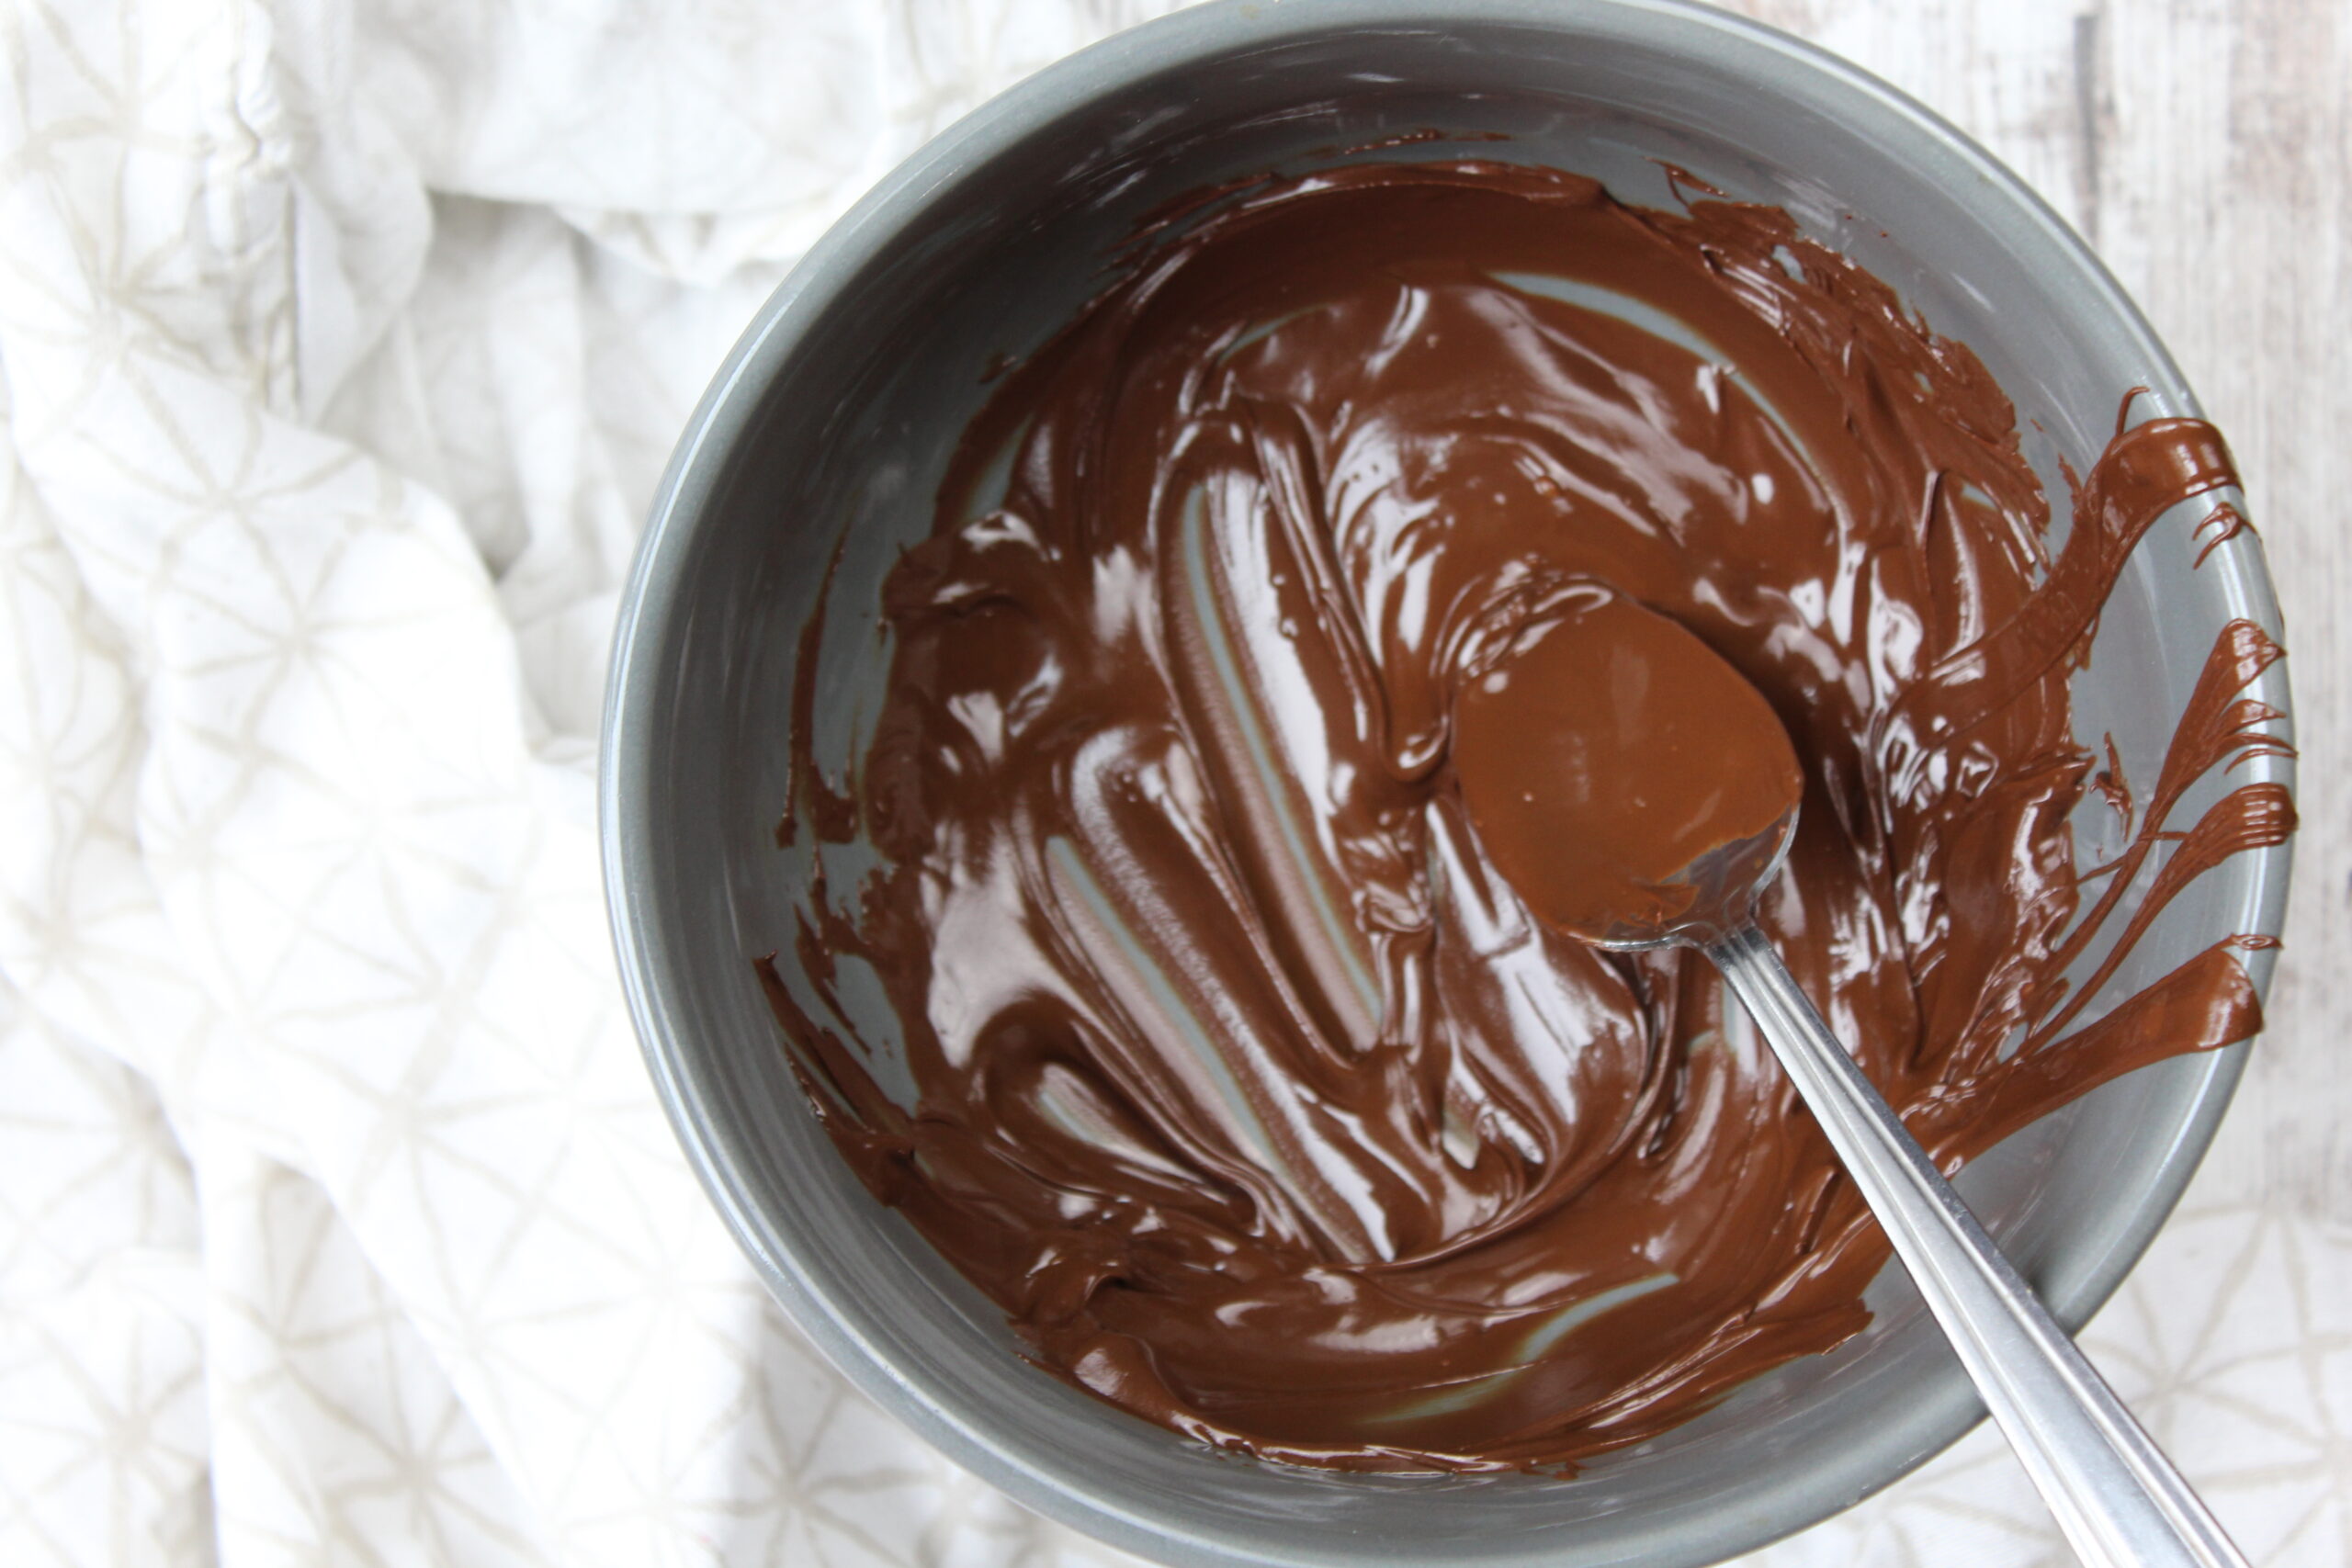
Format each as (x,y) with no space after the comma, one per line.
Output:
(838,411)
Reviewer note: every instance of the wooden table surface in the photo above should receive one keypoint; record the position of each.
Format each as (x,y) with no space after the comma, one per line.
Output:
(2204,148)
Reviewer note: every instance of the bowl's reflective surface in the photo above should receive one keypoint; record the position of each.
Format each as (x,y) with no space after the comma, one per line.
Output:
(833,421)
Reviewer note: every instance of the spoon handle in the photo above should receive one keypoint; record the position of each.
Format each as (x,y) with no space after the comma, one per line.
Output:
(2119,1500)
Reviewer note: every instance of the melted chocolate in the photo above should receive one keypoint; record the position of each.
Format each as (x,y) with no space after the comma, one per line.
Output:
(1244,1083)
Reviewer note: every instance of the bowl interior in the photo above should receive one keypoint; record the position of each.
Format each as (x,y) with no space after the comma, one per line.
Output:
(833,422)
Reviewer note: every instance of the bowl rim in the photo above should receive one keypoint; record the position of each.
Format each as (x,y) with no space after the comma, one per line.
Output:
(634,699)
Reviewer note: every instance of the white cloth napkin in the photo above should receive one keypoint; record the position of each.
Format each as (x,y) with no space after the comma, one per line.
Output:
(342,343)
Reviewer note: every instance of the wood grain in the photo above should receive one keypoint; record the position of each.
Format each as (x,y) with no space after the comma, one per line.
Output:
(2204,148)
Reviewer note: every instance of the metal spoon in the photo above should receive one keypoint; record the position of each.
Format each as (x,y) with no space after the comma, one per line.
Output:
(2119,1500)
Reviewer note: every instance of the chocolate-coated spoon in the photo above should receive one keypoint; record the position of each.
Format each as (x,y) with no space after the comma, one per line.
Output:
(1639,793)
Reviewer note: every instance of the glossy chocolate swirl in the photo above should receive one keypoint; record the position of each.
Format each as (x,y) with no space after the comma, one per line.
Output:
(1239,1079)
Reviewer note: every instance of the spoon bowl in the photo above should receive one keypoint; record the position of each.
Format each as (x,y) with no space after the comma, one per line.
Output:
(1626,779)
